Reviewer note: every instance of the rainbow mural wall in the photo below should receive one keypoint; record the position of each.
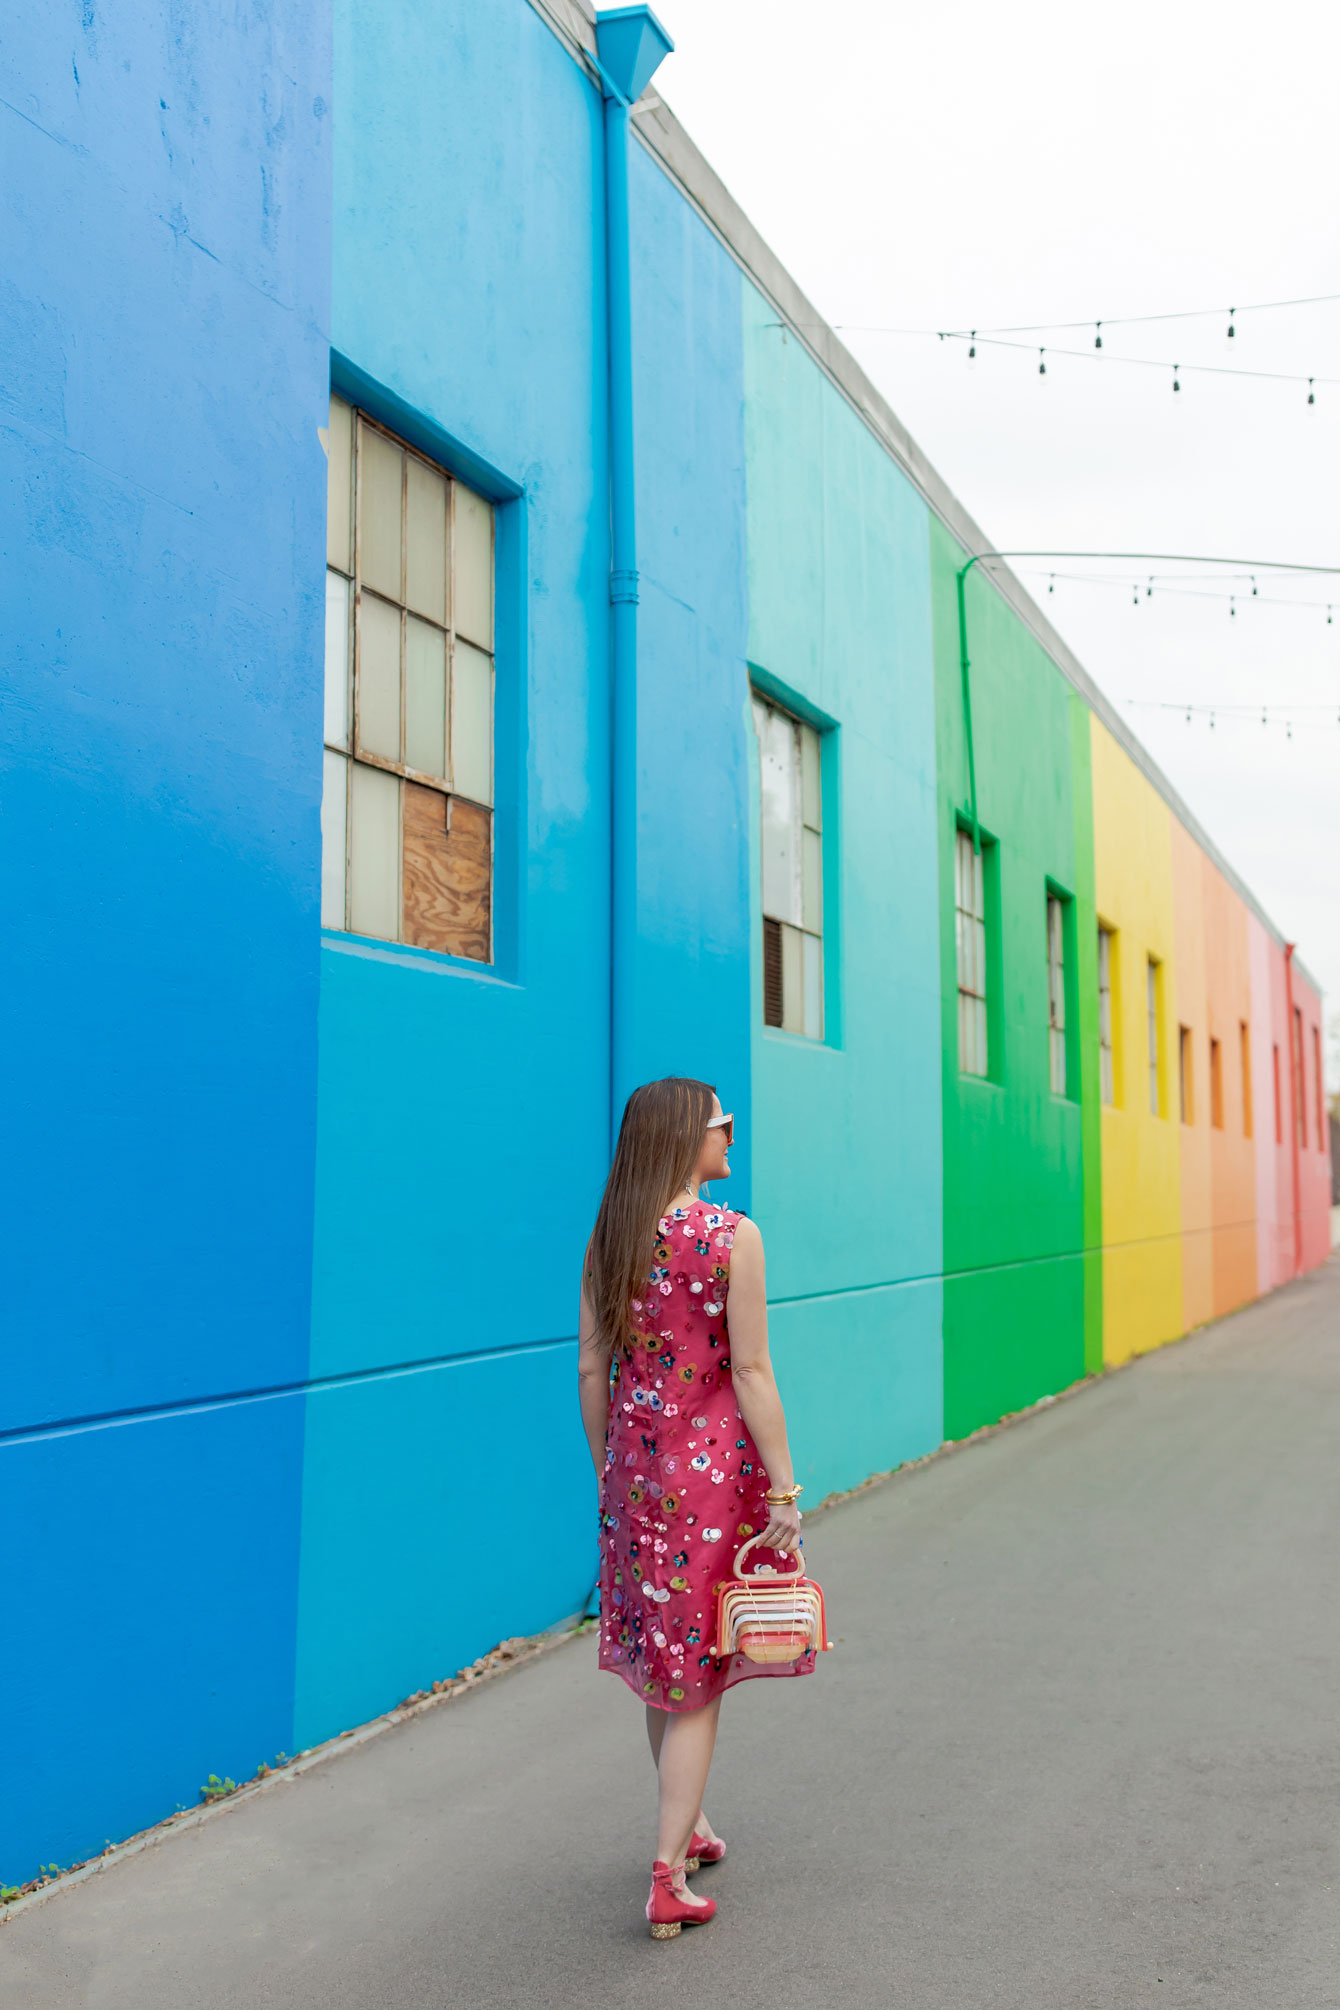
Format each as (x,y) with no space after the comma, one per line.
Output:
(296,1206)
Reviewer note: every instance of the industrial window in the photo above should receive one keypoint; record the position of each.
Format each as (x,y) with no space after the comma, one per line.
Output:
(1279,1107)
(1056,992)
(1299,1098)
(407,803)
(1316,1083)
(1186,1087)
(970,922)
(1216,1085)
(1152,1030)
(1245,1043)
(1107,1073)
(791,801)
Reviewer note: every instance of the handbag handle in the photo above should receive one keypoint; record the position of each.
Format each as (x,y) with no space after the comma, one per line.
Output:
(793,1577)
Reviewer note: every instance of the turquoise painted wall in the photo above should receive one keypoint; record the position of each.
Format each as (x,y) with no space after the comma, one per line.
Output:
(847,1182)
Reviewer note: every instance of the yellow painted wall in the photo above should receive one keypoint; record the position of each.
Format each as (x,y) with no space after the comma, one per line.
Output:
(1142,1174)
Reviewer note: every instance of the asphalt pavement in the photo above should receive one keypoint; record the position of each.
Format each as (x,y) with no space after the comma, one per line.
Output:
(1078,1747)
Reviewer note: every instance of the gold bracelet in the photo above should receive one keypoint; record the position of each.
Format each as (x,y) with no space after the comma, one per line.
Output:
(783,1497)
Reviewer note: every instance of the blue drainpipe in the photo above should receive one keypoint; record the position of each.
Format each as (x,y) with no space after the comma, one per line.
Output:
(630,44)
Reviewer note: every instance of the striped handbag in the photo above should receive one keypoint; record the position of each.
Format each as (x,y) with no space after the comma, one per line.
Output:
(769,1617)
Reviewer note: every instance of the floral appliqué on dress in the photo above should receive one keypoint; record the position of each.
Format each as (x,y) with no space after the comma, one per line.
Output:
(683,1485)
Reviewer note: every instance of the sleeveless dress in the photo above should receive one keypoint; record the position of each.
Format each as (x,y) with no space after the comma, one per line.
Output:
(683,1484)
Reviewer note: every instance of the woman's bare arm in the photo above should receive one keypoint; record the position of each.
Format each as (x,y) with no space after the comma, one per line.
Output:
(755,1383)
(593,1382)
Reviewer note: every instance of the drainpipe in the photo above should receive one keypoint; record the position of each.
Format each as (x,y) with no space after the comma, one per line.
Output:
(1295,1090)
(630,44)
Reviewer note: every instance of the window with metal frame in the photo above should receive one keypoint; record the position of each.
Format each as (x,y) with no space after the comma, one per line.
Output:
(970,935)
(1056,992)
(1319,1090)
(792,845)
(407,802)
(1153,1034)
(1107,1081)
(1216,1084)
(1299,1086)
(1186,1087)
(1245,1045)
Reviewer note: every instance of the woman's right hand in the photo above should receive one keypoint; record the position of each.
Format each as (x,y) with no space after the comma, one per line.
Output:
(783,1530)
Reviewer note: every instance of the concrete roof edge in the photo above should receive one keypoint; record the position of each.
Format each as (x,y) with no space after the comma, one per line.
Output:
(663,136)
(656,126)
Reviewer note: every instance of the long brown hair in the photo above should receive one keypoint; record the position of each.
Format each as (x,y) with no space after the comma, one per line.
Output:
(664,1124)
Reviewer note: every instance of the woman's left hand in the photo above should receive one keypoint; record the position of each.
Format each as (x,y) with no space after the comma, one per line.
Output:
(783,1530)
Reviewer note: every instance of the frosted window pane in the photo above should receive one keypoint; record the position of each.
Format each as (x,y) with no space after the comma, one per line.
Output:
(472,610)
(333,792)
(379,470)
(793,981)
(378,677)
(779,781)
(337,660)
(374,852)
(425,540)
(472,723)
(811,799)
(339,487)
(812,951)
(425,698)
(812,880)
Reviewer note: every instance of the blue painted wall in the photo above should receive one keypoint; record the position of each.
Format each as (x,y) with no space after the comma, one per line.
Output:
(847,1131)
(163,322)
(460,1109)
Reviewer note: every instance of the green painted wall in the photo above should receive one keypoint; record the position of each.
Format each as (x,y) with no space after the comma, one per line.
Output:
(1019,1296)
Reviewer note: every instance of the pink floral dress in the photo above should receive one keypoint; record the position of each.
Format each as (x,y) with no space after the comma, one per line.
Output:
(683,1484)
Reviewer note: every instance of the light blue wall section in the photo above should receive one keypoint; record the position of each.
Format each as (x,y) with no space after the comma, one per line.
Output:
(163,305)
(464,1114)
(415,1563)
(691,981)
(847,1183)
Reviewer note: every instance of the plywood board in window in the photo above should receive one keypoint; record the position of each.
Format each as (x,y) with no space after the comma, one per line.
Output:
(448,874)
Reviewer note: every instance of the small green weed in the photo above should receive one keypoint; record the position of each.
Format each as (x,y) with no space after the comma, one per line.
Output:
(216,1789)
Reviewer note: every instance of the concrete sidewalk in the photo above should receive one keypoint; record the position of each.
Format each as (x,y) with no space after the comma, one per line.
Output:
(1079,1747)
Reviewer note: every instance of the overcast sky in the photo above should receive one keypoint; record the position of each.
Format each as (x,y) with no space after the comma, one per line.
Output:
(971,165)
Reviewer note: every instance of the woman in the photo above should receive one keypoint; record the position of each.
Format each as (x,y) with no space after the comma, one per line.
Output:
(688,1439)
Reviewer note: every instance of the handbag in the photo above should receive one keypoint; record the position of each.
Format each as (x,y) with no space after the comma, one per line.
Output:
(769,1617)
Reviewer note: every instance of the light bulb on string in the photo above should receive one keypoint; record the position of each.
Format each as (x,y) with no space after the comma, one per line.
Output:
(1188,715)
(972,346)
(1232,608)
(1328,615)
(1212,722)
(1042,362)
(1135,594)
(1231,312)
(1263,715)
(1311,394)
(1252,577)
(1176,380)
(1149,590)
(1097,334)
(1051,587)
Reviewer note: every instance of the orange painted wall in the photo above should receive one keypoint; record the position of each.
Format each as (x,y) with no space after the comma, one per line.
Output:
(1189,1010)
(1228,997)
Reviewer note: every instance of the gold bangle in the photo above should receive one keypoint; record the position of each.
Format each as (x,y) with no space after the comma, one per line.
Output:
(783,1497)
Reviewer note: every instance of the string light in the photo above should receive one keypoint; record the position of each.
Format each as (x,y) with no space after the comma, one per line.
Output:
(1231,331)
(1176,385)
(1042,362)
(1311,394)
(1097,334)
(972,346)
